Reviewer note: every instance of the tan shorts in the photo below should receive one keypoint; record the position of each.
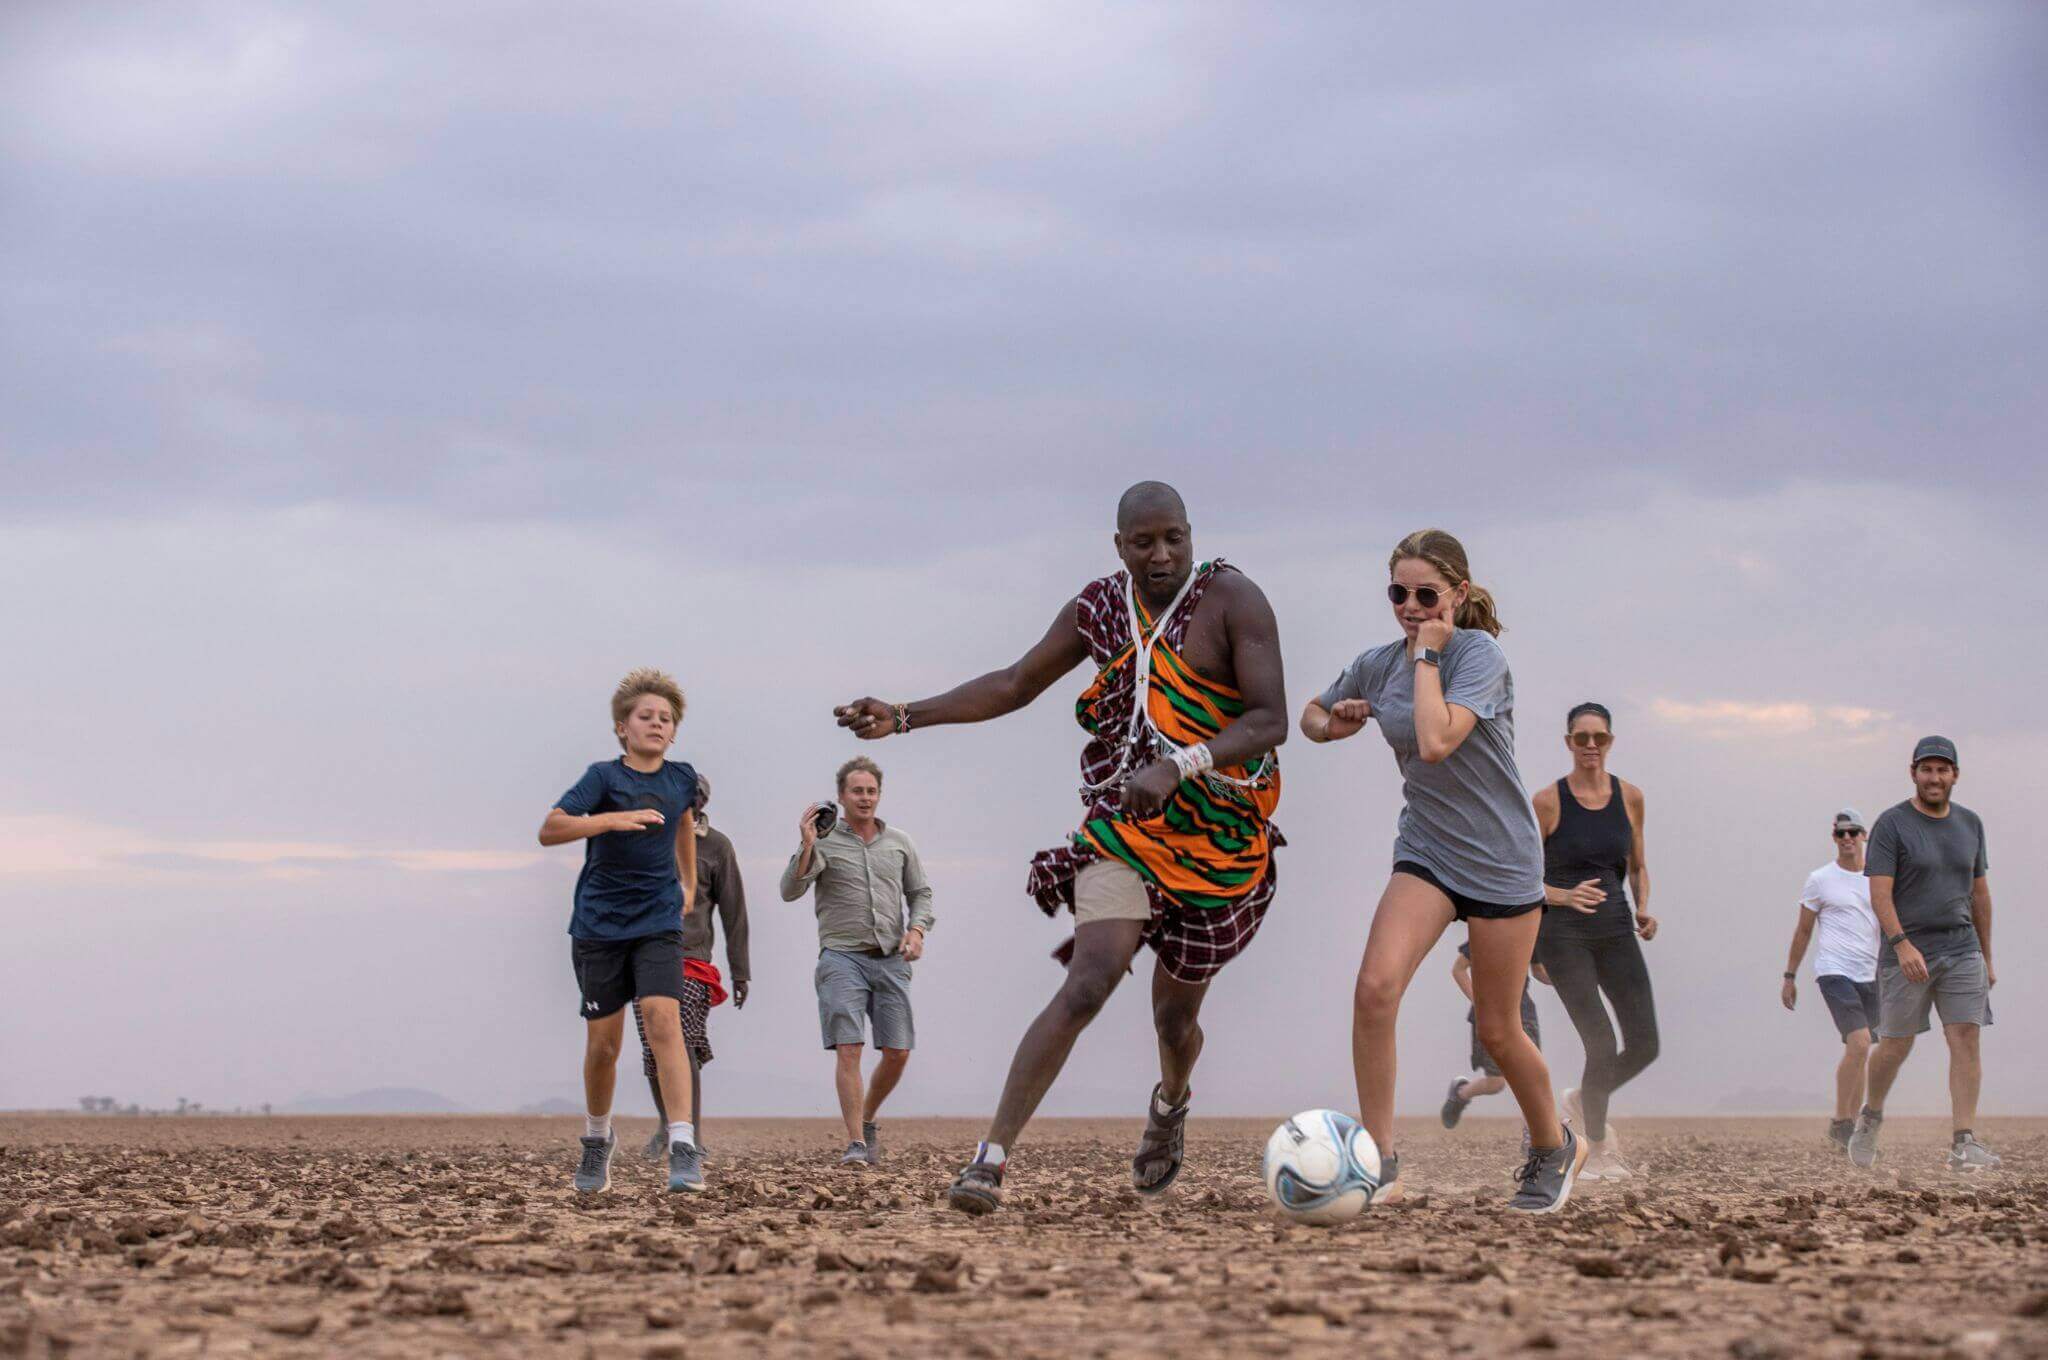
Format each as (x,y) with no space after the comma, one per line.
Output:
(1110,890)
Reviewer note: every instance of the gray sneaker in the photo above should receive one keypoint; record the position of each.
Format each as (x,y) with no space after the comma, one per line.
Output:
(685,1167)
(1547,1176)
(1968,1154)
(657,1145)
(594,1172)
(1455,1103)
(872,1137)
(1863,1141)
(856,1156)
(1839,1131)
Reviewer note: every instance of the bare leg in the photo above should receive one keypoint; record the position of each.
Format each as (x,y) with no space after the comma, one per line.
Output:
(601,1040)
(846,1077)
(1485,1086)
(1849,1074)
(888,1071)
(648,1067)
(671,1056)
(696,1097)
(1406,925)
(1501,949)
(1176,1018)
(1965,1074)
(1102,955)
(1885,1061)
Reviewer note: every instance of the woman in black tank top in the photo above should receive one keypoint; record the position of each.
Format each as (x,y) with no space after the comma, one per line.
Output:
(1592,825)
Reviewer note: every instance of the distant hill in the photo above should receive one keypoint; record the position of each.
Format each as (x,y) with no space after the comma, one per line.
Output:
(553,1105)
(381,1100)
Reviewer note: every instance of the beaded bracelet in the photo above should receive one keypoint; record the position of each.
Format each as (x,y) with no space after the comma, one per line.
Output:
(902,717)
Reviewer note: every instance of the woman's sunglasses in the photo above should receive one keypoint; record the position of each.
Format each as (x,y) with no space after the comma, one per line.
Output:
(1585,739)
(1426,596)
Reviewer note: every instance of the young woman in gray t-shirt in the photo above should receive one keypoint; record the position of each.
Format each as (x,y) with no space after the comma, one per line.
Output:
(1467,849)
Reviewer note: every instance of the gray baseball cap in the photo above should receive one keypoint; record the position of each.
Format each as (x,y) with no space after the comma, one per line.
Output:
(1849,817)
(1935,748)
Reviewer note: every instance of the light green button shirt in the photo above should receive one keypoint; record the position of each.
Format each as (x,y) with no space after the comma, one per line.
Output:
(864,889)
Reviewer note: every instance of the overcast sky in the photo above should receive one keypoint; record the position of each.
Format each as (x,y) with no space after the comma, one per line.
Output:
(377,387)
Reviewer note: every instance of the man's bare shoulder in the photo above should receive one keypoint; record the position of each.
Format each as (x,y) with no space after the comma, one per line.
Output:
(1239,595)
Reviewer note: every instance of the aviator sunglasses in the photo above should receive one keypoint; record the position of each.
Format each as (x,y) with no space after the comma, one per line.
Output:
(1600,739)
(1426,596)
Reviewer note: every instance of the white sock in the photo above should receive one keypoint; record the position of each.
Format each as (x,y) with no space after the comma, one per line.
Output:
(597,1126)
(683,1131)
(991,1153)
(1473,1078)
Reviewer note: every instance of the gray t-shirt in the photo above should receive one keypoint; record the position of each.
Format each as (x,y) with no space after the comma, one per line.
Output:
(1467,818)
(1933,862)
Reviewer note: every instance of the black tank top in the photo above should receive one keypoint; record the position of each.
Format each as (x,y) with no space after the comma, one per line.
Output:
(1589,845)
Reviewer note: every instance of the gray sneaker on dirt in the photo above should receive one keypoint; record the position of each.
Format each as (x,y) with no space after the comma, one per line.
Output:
(1548,1175)
(1391,1190)
(1967,1154)
(856,1156)
(1839,1131)
(1863,1140)
(871,1137)
(1455,1103)
(978,1189)
(685,1167)
(657,1145)
(594,1171)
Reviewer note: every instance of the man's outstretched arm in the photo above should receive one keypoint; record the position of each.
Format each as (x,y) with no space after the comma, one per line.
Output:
(988,696)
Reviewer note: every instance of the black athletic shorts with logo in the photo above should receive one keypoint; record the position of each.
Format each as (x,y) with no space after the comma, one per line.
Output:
(611,973)
(1853,1004)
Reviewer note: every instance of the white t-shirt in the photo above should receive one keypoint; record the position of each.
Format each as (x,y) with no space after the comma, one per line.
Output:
(1845,935)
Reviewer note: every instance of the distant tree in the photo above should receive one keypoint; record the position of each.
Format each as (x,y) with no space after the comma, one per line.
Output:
(266,1109)
(89,1104)
(183,1105)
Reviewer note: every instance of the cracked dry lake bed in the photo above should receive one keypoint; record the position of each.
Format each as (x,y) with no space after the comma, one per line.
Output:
(410,1236)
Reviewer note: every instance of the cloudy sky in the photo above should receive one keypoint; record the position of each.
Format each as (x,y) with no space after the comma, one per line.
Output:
(376,387)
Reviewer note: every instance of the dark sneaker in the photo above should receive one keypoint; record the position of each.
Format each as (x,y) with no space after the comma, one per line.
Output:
(685,1167)
(1863,1139)
(856,1156)
(1162,1148)
(1548,1175)
(594,1172)
(1455,1103)
(871,1136)
(1967,1154)
(978,1189)
(657,1145)
(1839,1131)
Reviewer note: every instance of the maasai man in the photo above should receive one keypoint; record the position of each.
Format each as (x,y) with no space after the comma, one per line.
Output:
(1175,849)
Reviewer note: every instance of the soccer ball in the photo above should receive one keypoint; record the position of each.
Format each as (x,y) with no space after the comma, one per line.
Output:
(1322,1167)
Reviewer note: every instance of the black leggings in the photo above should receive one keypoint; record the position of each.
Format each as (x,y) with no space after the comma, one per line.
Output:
(1582,970)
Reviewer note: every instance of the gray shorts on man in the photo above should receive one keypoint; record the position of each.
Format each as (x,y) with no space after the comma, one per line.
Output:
(1957,989)
(863,993)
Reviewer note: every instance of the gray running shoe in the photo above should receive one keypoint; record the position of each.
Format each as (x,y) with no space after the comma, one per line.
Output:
(685,1167)
(657,1145)
(1863,1139)
(856,1156)
(1547,1176)
(1455,1103)
(594,1172)
(1391,1188)
(1839,1131)
(872,1137)
(1968,1154)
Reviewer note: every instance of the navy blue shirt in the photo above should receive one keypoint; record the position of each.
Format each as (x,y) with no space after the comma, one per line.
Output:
(630,886)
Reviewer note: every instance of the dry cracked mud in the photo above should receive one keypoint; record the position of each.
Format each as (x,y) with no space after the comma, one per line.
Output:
(462,1236)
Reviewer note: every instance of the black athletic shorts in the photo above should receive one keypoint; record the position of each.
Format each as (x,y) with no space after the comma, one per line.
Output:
(611,973)
(1853,1004)
(1465,907)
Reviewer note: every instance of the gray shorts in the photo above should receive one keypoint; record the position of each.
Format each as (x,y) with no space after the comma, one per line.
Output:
(874,988)
(1956,988)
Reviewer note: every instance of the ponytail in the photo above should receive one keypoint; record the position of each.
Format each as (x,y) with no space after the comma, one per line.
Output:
(1447,555)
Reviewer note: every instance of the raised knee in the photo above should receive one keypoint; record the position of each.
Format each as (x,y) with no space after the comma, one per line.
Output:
(1375,1001)
(1085,994)
(1495,1035)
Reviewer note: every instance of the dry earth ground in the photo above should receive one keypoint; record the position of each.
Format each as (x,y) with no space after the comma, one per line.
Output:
(461,1236)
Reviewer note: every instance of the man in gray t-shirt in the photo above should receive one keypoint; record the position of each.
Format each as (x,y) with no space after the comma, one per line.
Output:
(1930,890)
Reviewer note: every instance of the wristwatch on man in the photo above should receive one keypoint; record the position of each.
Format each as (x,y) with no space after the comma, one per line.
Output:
(1895,940)
(1791,977)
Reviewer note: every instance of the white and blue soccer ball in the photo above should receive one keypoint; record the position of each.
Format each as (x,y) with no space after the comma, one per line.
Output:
(1322,1167)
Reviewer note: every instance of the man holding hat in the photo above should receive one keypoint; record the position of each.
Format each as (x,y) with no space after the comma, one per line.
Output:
(1836,903)
(1928,887)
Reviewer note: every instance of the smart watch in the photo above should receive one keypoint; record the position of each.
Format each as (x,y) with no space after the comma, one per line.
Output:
(1430,656)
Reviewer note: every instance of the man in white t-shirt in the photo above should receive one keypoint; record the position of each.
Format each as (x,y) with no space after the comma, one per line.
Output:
(1837,902)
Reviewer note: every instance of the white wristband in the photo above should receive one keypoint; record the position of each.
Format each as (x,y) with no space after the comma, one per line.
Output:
(1193,761)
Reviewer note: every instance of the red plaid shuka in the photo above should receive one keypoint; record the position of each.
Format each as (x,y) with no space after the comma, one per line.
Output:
(1206,861)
